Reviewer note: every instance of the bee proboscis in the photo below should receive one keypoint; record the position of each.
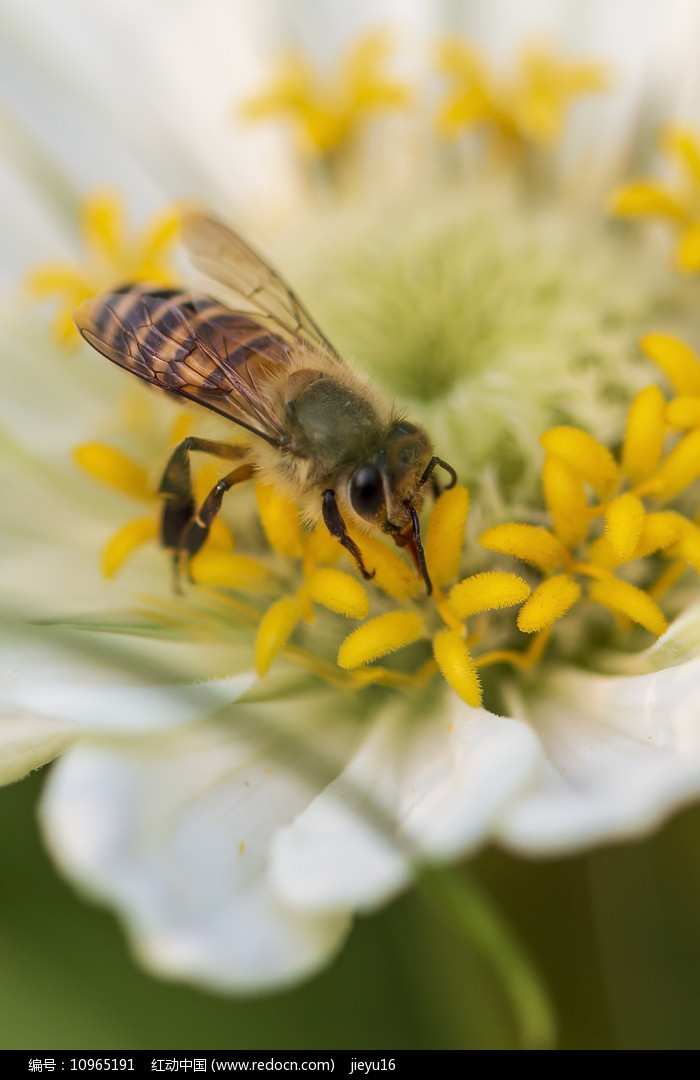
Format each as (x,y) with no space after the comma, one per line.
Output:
(322,434)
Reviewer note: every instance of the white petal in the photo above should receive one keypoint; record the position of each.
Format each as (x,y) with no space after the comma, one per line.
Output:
(91,694)
(618,754)
(27,742)
(174,833)
(417,789)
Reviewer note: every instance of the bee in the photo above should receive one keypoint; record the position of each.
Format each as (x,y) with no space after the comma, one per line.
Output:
(321,434)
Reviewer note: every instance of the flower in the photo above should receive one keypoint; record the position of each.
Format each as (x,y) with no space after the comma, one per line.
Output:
(678,207)
(112,259)
(240,774)
(527,108)
(330,113)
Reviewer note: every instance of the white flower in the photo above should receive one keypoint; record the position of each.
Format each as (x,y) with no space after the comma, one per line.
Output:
(237,824)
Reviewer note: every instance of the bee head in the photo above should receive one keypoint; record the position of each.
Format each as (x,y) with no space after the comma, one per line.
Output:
(379,489)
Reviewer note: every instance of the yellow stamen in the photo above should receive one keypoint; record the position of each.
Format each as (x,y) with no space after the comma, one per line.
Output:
(624,599)
(530,543)
(392,573)
(624,521)
(668,579)
(319,547)
(644,434)
(457,666)
(112,467)
(642,197)
(550,600)
(677,361)
(444,538)
(280,520)
(123,543)
(276,625)
(380,636)
(339,592)
(566,501)
(660,531)
(681,467)
(683,412)
(487,592)
(229,571)
(588,458)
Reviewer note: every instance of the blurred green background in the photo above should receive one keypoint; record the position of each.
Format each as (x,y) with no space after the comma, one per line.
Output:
(615,935)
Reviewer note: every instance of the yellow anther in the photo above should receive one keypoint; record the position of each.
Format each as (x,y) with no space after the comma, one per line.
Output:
(683,412)
(566,501)
(642,197)
(681,467)
(644,434)
(392,572)
(660,531)
(688,546)
(550,600)
(276,625)
(220,536)
(624,599)
(338,591)
(123,543)
(487,592)
(624,521)
(531,544)
(602,553)
(444,538)
(280,520)
(320,547)
(380,636)
(457,666)
(112,467)
(676,359)
(588,458)
(229,571)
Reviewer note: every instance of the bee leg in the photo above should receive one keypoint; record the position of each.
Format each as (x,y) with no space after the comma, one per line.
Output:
(336,527)
(176,488)
(197,530)
(431,468)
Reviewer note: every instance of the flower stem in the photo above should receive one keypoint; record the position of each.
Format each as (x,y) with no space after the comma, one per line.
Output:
(456,898)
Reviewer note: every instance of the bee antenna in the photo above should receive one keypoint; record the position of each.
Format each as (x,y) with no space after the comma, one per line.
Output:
(419,547)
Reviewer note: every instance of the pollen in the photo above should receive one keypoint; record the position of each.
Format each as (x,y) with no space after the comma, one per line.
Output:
(379,637)
(110,466)
(644,434)
(624,599)
(529,543)
(444,538)
(488,591)
(624,522)
(275,628)
(339,592)
(279,518)
(457,666)
(550,600)
(585,456)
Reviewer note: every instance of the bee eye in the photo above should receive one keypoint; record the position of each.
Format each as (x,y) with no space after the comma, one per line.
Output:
(405,428)
(366,491)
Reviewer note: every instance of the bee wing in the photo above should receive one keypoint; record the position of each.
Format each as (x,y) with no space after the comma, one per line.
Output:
(220,253)
(192,346)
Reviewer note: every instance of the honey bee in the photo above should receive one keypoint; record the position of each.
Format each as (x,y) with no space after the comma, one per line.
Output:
(322,435)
